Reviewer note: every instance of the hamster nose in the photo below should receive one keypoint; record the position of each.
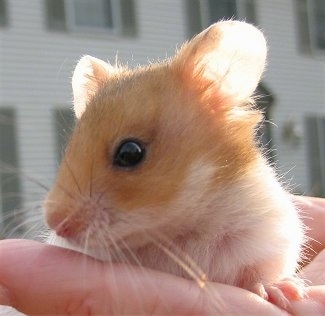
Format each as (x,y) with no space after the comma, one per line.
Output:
(66,226)
(65,229)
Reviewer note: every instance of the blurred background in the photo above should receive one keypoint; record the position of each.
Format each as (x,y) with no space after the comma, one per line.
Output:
(41,41)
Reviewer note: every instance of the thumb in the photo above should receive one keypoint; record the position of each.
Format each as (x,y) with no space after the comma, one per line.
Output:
(42,279)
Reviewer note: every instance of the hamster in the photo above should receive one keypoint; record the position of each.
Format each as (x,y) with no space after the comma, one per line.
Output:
(163,169)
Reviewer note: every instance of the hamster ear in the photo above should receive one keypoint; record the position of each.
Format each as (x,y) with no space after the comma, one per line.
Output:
(228,58)
(88,75)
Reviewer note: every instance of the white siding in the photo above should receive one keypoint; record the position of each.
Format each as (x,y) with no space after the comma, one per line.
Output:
(297,81)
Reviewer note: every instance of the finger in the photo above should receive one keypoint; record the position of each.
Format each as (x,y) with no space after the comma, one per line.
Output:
(37,278)
(314,272)
(47,280)
(313,212)
(314,304)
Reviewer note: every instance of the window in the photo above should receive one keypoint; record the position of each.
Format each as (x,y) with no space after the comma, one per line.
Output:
(55,13)
(315,135)
(202,13)
(9,175)
(64,121)
(88,15)
(311,25)
(95,13)
(3,13)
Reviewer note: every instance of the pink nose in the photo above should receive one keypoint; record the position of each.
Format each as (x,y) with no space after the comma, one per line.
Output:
(65,230)
(65,226)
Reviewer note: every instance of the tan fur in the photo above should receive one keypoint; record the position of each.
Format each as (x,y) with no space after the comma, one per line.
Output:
(203,192)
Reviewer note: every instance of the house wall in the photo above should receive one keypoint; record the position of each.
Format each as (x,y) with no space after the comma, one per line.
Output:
(297,80)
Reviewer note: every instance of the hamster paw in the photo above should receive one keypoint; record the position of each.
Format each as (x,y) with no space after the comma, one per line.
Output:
(281,293)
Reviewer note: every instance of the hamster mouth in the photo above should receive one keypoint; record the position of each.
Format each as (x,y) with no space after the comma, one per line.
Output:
(106,251)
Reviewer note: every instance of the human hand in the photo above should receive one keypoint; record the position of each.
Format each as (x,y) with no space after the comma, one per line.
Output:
(41,279)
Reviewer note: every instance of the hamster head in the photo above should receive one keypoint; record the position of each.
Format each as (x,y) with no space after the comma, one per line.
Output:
(153,144)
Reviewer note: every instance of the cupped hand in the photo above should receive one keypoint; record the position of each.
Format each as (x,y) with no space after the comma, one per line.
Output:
(40,279)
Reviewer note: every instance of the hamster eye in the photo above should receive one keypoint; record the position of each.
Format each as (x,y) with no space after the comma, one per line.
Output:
(129,153)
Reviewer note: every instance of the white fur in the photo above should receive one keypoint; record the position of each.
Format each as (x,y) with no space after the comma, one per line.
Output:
(86,79)
(248,225)
(231,54)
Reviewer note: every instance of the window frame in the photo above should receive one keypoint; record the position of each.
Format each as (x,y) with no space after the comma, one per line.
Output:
(10,201)
(4,20)
(306,27)
(198,22)
(315,136)
(205,12)
(60,17)
(71,25)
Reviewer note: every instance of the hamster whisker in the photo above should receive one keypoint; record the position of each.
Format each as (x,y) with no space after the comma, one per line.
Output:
(100,196)
(115,251)
(68,193)
(86,242)
(174,252)
(34,230)
(16,221)
(91,179)
(190,267)
(131,271)
(12,214)
(132,265)
(307,249)
(105,250)
(157,239)
(43,234)
(72,174)
(135,259)
(21,173)
(24,227)
(181,258)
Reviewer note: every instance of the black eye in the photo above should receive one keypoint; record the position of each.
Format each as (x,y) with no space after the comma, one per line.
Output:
(129,153)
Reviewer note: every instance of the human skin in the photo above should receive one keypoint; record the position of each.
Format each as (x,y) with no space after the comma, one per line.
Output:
(40,279)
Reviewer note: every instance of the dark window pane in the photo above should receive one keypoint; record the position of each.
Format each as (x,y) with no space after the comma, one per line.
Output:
(314,139)
(55,14)
(95,13)
(250,12)
(3,13)
(320,23)
(9,175)
(194,20)
(222,9)
(302,26)
(128,17)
